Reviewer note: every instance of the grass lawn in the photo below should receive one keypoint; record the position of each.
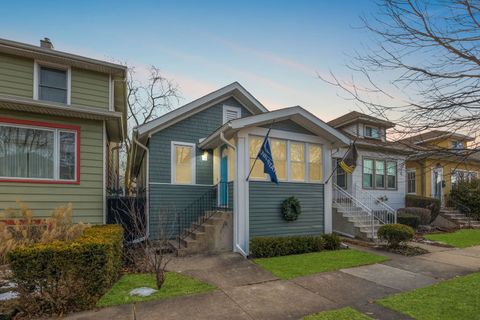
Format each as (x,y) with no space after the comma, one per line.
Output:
(461,239)
(175,285)
(458,298)
(340,314)
(288,267)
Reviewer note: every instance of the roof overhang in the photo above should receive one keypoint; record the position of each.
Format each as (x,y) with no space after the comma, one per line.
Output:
(234,90)
(33,52)
(366,120)
(114,120)
(296,114)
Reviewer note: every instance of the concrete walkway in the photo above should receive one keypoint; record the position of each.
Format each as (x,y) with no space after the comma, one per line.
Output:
(245,291)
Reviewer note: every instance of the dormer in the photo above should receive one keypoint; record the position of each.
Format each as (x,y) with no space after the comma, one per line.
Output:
(362,125)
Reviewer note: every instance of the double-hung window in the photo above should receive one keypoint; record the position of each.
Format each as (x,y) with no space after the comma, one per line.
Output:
(52,84)
(411,181)
(34,152)
(372,132)
(297,161)
(379,174)
(183,163)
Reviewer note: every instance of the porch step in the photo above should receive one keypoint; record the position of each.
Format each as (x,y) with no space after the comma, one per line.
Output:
(458,218)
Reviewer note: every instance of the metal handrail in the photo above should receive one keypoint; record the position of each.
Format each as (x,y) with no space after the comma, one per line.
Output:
(391,214)
(463,208)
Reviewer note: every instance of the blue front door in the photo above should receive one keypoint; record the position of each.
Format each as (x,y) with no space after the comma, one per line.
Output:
(223,185)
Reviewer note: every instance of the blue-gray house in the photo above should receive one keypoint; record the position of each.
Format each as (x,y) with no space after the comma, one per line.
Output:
(193,163)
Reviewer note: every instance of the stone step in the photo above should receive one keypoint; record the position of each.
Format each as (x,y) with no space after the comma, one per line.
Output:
(198,235)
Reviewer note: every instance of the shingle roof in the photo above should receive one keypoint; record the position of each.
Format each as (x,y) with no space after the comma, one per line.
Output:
(435,135)
(355,116)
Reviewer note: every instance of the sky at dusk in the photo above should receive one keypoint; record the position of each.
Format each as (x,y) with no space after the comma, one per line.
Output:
(275,49)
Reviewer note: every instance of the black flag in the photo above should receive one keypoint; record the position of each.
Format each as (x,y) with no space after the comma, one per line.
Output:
(349,161)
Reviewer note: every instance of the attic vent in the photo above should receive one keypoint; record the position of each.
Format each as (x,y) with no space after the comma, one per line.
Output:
(230,113)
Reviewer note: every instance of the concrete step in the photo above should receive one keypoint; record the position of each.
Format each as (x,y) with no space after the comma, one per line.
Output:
(198,235)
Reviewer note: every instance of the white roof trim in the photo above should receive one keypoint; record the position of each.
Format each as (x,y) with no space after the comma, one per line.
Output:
(279,115)
(194,107)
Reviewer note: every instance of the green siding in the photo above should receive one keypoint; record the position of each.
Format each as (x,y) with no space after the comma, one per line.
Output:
(87,197)
(168,199)
(16,76)
(199,125)
(90,88)
(289,125)
(266,199)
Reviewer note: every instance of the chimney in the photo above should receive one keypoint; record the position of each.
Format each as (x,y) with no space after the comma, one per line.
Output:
(46,43)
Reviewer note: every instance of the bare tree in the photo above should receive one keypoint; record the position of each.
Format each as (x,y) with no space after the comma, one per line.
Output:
(146,101)
(423,70)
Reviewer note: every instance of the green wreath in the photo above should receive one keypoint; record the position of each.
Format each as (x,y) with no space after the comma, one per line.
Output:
(291,209)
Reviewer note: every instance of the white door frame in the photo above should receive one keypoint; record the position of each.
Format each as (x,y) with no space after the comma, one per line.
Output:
(434,182)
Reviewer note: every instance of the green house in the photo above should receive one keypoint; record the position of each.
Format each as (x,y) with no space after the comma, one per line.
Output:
(62,119)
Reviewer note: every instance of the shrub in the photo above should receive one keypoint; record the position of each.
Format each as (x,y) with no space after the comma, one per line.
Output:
(332,241)
(19,228)
(425,215)
(67,275)
(395,234)
(263,247)
(424,202)
(467,193)
(408,219)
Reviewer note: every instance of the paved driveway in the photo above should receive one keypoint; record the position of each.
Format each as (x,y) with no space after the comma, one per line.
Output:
(245,291)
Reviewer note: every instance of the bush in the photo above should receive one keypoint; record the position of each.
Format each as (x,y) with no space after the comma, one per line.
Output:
(67,275)
(425,215)
(409,219)
(468,195)
(424,202)
(395,234)
(19,228)
(332,241)
(263,247)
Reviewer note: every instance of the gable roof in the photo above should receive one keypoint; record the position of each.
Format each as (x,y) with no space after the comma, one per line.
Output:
(436,135)
(356,116)
(232,90)
(296,114)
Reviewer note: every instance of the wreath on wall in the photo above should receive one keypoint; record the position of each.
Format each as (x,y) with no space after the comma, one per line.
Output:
(291,209)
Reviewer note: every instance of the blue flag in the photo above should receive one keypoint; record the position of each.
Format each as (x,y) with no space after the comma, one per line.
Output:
(265,154)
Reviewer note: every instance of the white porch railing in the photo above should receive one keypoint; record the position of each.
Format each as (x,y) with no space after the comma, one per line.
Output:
(381,211)
(350,206)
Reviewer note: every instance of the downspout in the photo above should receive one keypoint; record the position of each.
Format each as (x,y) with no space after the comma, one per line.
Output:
(147,189)
(118,165)
(222,137)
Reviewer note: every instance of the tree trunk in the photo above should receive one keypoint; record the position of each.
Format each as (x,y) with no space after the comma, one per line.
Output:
(160,278)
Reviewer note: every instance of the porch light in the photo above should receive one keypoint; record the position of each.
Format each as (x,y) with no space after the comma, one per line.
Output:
(205,156)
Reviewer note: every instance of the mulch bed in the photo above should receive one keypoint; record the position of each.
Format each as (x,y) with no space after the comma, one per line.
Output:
(408,251)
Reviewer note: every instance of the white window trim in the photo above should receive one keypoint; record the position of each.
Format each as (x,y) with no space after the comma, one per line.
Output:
(56,152)
(226,108)
(173,161)
(372,127)
(410,171)
(289,173)
(36,78)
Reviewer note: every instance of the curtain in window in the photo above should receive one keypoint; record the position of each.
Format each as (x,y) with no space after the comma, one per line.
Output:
(314,162)
(279,154)
(67,155)
(297,161)
(26,153)
(183,162)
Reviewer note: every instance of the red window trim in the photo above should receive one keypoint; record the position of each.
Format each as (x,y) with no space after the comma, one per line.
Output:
(46,125)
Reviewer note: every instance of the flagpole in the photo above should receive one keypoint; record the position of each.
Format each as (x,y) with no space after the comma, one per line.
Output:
(255,161)
(336,166)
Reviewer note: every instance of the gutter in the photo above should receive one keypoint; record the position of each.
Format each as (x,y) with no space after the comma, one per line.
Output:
(147,190)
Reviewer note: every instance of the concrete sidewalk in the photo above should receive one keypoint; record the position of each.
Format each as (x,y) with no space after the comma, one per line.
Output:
(245,291)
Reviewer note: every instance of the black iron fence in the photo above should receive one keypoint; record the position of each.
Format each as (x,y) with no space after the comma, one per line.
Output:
(130,213)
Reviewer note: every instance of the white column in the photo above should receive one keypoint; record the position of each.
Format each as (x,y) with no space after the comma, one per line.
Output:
(241,205)
(327,169)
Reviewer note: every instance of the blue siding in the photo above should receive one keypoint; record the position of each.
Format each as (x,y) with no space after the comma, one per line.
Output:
(166,200)
(289,125)
(266,214)
(199,125)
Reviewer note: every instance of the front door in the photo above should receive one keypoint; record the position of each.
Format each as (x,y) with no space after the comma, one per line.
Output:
(223,185)
(437,184)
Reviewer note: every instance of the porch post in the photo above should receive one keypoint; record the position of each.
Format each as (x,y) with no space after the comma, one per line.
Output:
(327,169)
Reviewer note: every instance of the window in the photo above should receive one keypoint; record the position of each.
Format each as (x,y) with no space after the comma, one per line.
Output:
(391,175)
(279,155)
(52,84)
(341,176)
(372,132)
(379,174)
(231,113)
(290,160)
(183,163)
(411,181)
(314,162)
(457,145)
(462,175)
(297,161)
(367,173)
(40,153)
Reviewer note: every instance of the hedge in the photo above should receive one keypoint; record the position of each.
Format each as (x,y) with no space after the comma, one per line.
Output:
(64,276)
(408,219)
(395,234)
(424,202)
(264,247)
